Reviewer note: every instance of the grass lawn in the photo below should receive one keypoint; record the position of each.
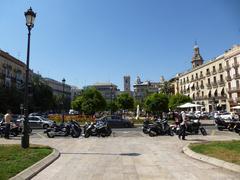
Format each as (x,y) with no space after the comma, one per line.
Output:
(225,150)
(14,159)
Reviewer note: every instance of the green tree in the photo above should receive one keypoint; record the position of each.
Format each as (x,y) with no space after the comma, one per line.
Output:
(178,99)
(112,106)
(125,101)
(156,103)
(42,95)
(10,98)
(89,102)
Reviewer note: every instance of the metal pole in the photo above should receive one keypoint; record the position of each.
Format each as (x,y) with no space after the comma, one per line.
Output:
(25,137)
(63,104)
(111,102)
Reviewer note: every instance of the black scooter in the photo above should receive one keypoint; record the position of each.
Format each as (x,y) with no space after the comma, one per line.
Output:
(160,127)
(100,128)
(193,127)
(146,125)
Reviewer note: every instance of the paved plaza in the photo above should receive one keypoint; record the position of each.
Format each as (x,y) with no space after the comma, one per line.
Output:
(129,155)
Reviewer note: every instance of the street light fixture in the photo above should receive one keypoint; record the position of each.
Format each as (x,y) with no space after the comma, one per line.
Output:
(30,17)
(63,83)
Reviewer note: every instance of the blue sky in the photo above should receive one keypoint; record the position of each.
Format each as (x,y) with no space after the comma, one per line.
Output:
(88,41)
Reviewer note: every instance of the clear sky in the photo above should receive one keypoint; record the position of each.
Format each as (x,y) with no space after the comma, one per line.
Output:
(88,41)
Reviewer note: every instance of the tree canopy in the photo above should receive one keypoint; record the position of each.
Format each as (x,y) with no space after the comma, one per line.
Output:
(178,99)
(156,103)
(125,101)
(89,102)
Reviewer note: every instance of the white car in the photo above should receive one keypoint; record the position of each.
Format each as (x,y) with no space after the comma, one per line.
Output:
(227,116)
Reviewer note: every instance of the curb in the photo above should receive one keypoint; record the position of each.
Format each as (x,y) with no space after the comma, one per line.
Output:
(33,170)
(211,160)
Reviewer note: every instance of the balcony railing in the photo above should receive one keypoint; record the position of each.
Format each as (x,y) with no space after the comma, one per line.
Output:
(209,86)
(233,89)
(228,78)
(208,74)
(201,76)
(220,70)
(227,68)
(235,65)
(214,84)
(236,76)
(214,72)
(221,83)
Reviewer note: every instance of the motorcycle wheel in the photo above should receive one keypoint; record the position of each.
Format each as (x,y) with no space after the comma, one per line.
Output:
(203,131)
(86,135)
(152,133)
(170,133)
(109,132)
(145,131)
(103,135)
(75,133)
(237,131)
(50,134)
(14,134)
(196,132)
(220,128)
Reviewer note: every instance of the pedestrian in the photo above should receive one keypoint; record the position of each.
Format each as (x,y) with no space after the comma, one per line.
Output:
(182,126)
(7,119)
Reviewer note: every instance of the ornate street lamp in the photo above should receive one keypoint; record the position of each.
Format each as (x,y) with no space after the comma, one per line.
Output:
(63,83)
(30,17)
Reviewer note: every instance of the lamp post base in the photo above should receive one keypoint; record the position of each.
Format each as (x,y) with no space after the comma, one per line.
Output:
(25,141)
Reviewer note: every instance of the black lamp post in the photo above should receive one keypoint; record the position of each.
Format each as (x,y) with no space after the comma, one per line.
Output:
(30,17)
(63,83)
(111,88)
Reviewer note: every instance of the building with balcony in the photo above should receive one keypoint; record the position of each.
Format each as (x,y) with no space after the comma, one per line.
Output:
(233,75)
(58,88)
(12,71)
(108,90)
(143,89)
(213,84)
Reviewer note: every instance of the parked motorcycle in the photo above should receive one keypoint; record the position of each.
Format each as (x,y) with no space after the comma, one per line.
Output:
(193,127)
(223,124)
(237,127)
(64,129)
(100,128)
(146,125)
(160,127)
(15,129)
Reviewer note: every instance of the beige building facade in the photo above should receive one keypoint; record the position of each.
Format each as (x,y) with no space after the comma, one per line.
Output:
(232,68)
(58,88)
(208,83)
(12,71)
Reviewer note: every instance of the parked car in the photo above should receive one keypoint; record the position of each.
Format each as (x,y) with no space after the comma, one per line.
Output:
(73,112)
(38,122)
(116,121)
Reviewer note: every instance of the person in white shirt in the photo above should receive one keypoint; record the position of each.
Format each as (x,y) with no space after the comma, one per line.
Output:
(183,126)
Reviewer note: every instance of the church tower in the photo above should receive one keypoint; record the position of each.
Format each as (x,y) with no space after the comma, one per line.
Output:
(197,59)
(127,83)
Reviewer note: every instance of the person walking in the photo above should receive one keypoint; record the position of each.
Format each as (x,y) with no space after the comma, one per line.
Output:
(182,126)
(7,119)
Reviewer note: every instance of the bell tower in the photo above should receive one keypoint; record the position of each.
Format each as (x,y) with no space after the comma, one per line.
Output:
(197,59)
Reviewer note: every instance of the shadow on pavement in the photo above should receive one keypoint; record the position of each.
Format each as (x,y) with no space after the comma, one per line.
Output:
(105,154)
